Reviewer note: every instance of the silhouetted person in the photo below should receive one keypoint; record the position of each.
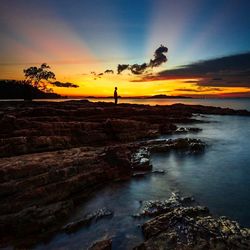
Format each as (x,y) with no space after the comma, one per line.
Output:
(115,95)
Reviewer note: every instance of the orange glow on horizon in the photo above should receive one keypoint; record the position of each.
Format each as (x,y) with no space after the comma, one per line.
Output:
(104,87)
(90,85)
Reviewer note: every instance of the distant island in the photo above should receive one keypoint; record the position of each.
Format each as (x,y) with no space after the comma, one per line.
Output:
(141,97)
(166,97)
(14,89)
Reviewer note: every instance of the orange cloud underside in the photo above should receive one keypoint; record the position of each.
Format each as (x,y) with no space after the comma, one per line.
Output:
(79,73)
(105,86)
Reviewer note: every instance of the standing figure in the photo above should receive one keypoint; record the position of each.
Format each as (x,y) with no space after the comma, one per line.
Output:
(115,95)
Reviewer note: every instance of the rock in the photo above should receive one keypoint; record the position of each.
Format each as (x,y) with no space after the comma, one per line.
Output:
(44,179)
(102,245)
(139,174)
(140,159)
(155,207)
(34,219)
(158,171)
(37,127)
(167,128)
(55,154)
(39,182)
(180,144)
(193,228)
(188,130)
(87,219)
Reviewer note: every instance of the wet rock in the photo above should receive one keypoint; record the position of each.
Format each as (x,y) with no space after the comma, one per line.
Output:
(139,174)
(38,127)
(141,159)
(193,228)
(40,182)
(87,219)
(181,144)
(54,155)
(167,128)
(155,207)
(119,158)
(34,219)
(188,130)
(158,171)
(102,245)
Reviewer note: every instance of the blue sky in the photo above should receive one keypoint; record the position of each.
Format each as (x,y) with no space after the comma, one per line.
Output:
(195,29)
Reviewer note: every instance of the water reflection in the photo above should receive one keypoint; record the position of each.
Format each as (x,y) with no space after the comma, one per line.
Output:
(234,103)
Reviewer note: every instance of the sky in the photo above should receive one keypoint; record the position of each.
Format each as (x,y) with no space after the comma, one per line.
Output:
(207,41)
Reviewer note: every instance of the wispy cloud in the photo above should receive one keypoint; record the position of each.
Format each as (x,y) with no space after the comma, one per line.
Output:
(199,89)
(64,84)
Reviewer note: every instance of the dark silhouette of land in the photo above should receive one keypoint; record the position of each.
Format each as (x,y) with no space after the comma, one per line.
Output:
(14,89)
(166,97)
(161,96)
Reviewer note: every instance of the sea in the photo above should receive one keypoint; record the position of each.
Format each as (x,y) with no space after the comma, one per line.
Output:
(234,103)
(219,178)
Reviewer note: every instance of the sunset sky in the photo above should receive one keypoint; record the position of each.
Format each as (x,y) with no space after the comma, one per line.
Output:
(208,45)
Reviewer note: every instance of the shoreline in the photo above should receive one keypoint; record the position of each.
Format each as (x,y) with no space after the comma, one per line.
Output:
(55,154)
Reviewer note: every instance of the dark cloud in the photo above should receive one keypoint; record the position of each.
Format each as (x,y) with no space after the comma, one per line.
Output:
(199,89)
(109,71)
(138,69)
(99,75)
(64,84)
(227,81)
(96,75)
(190,81)
(159,57)
(228,71)
(122,67)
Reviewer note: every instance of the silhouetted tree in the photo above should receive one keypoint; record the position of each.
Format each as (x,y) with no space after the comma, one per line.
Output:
(38,77)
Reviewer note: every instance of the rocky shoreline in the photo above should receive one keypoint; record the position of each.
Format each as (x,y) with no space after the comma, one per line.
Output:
(179,223)
(54,155)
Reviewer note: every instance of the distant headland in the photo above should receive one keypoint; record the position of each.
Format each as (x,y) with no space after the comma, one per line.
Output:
(166,97)
(14,89)
(161,96)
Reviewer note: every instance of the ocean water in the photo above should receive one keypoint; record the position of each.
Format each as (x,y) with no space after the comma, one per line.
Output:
(218,178)
(234,103)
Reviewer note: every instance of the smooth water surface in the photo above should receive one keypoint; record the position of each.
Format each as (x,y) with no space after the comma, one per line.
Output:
(219,178)
(233,103)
